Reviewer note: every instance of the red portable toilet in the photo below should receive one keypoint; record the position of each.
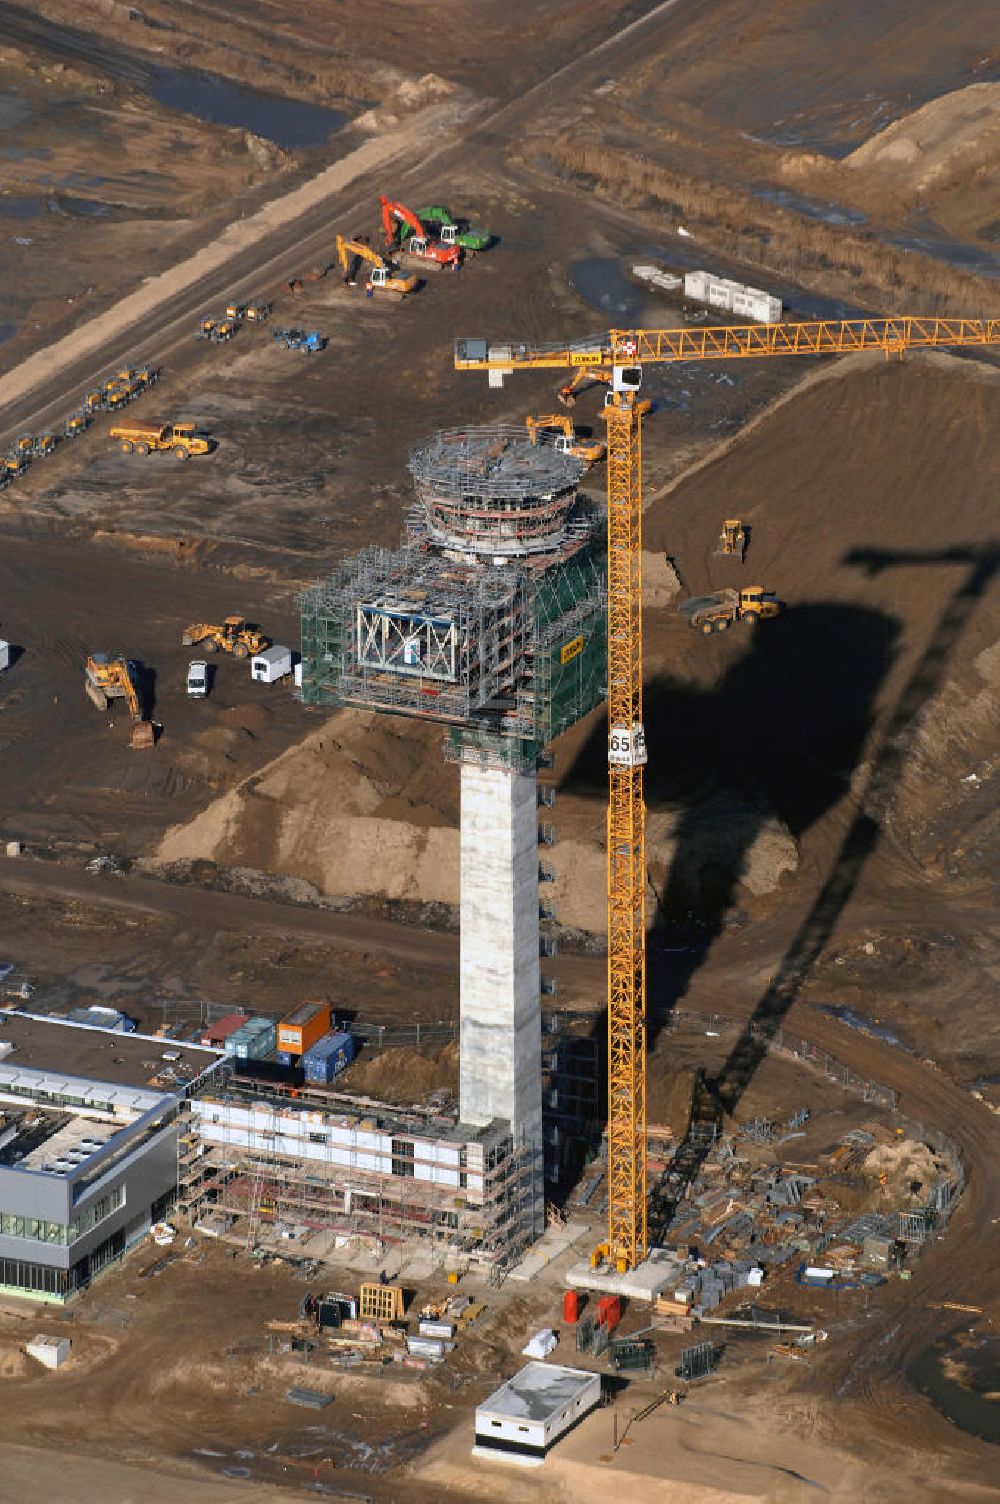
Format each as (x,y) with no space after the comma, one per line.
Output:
(571,1308)
(609,1311)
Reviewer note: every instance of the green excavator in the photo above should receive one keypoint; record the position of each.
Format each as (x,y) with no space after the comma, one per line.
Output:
(451,231)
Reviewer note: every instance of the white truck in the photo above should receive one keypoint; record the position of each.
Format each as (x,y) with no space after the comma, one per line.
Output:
(271,665)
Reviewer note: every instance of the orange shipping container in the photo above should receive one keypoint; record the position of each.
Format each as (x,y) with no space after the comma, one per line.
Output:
(303,1027)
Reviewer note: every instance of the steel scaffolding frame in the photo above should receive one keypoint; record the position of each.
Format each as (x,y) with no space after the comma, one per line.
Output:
(260,1186)
(494,491)
(508,657)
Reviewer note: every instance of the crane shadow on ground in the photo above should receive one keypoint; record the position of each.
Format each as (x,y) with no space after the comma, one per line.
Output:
(785,731)
(872,801)
(776,739)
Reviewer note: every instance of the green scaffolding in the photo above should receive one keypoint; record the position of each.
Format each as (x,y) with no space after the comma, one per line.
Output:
(561,677)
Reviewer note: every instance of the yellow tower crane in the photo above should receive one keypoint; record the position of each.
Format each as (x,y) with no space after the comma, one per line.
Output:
(625,352)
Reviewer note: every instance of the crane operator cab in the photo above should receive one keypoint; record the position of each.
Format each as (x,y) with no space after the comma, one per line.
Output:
(625,379)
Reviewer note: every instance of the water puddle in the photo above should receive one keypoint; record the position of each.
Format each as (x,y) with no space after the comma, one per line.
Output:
(833,130)
(12,206)
(961,1378)
(863,1025)
(828,211)
(7,330)
(601,282)
(682,256)
(925,236)
(290,123)
(13,109)
(78,208)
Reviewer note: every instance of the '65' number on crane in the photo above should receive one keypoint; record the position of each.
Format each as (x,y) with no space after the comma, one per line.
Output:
(627,746)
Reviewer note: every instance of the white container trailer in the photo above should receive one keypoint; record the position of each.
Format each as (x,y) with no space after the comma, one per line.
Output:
(4,654)
(735,297)
(652,274)
(51,1352)
(720,293)
(696,286)
(273,664)
(754,303)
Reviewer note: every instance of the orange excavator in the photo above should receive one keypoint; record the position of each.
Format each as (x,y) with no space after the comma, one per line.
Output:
(381,279)
(568,441)
(419,249)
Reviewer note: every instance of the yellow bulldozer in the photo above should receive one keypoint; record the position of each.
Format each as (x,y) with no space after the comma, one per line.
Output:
(236,635)
(732,540)
(108,678)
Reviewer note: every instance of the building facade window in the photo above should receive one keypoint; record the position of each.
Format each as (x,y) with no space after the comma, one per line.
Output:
(14,1226)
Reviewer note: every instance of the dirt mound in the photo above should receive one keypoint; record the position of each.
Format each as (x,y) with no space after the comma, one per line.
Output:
(956,134)
(405,1075)
(904,1163)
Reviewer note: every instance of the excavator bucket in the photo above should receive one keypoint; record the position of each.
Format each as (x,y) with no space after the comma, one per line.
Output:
(142,735)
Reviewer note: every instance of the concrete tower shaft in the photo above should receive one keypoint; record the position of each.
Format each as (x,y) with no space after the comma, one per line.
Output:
(500,1038)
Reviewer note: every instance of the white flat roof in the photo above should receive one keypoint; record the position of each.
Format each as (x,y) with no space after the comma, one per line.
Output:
(538,1392)
(70,1146)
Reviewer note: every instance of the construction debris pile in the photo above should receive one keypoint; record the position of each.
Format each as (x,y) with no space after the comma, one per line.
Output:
(747,1214)
(372,1329)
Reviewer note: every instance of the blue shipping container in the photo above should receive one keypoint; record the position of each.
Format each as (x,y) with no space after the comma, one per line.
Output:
(328,1057)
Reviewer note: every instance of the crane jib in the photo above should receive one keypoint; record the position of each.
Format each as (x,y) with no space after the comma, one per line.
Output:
(728,342)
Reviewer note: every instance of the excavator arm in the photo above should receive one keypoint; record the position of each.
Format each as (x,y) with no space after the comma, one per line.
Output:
(394,215)
(562,421)
(131,691)
(348,248)
(584,376)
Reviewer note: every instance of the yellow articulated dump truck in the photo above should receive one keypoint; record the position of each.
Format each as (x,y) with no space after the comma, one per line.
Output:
(715,613)
(182,439)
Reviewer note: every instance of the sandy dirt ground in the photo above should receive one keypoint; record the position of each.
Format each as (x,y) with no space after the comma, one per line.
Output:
(842,155)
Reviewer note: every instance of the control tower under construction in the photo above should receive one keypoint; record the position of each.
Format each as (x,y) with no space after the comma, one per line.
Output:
(491,619)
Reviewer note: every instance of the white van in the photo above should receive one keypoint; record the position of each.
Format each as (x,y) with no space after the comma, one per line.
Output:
(197,679)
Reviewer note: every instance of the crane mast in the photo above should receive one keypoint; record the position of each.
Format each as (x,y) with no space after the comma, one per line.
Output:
(626,858)
(622,349)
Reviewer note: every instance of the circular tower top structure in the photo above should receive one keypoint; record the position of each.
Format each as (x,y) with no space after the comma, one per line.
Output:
(495,493)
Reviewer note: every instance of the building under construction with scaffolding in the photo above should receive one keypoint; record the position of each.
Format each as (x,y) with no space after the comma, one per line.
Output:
(254,1164)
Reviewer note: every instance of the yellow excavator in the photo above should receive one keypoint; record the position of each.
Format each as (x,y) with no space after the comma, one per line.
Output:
(382,278)
(108,678)
(588,450)
(236,635)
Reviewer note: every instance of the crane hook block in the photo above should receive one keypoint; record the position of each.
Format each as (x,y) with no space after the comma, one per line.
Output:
(627,746)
